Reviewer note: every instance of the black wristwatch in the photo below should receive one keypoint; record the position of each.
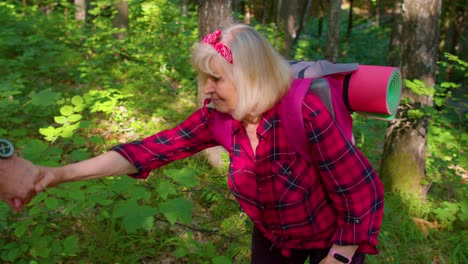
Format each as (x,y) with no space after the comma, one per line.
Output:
(6,149)
(341,258)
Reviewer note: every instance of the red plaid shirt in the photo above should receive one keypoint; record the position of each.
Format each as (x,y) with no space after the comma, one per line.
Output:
(338,199)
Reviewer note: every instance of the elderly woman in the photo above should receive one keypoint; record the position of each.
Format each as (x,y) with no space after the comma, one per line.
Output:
(328,210)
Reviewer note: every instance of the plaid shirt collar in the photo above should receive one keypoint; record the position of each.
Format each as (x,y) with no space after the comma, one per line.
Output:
(264,126)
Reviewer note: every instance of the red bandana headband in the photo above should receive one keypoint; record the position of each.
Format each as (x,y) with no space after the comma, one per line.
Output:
(213,39)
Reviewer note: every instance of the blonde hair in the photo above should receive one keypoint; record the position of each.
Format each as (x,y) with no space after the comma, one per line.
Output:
(261,75)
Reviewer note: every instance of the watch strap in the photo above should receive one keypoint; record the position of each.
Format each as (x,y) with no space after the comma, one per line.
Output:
(339,256)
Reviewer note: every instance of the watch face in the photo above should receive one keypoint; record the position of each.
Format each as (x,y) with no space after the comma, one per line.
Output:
(341,258)
(6,149)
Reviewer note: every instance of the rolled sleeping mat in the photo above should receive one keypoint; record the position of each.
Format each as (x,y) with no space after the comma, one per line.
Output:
(373,91)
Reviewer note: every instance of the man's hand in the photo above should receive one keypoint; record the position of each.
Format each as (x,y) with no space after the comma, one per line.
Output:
(17,177)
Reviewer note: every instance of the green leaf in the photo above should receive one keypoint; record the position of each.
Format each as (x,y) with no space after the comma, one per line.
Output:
(464,211)
(77,100)
(180,252)
(77,195)
(44,98)
(79,155)
(13,254)
(60,119)
(165,189)
(69,130)
(34,149)
(40,247)
(184,176)
(418,87)
(135,216)
(66,110)
(50,133)
(19,230)
(70,245)
(51,203)
(177,209)
(221,260)
(74,118)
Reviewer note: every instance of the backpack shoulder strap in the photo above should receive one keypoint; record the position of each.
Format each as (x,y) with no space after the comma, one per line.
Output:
(222,129)
(291,112)
(291,115)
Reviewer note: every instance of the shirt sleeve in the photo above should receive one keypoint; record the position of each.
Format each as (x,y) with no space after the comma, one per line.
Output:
(189,137)
(350,180)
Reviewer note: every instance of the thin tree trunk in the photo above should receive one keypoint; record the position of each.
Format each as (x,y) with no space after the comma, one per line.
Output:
(333,34)
(350,19)
(290,19)
(80,10)
(403,164)
(121,19)
(397,27)
(321,14)
(212,14)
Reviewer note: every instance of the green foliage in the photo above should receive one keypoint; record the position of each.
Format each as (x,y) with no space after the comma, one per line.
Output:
(418,87)
(368,46)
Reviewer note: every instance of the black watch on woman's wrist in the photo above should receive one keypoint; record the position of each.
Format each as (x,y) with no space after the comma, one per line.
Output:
(6,149)
(340,257)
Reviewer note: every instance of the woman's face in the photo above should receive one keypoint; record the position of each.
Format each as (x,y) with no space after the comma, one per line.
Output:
(221,89)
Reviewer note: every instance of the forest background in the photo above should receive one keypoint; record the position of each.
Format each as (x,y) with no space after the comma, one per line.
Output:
(81,76)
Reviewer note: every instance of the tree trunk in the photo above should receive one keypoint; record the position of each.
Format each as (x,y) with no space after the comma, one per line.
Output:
(452,29)
(397,27)
(121,19)
(290,19)
(333,34)
(321,15)
(80,10)
(350,19)
(403,165)
(185,7)
(212,14)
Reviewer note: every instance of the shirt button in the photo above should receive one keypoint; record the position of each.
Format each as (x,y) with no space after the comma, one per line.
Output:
(357,221)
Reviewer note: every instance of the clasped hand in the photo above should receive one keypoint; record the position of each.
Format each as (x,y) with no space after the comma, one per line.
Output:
(18,180)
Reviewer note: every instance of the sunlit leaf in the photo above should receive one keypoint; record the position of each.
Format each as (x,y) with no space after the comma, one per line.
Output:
(66,110)
(60,119)
(74,118)
(77,100)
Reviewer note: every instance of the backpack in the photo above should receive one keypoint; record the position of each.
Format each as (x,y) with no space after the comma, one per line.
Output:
(343,88)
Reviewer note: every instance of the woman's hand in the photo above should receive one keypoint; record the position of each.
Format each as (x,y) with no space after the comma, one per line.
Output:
(48,177)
